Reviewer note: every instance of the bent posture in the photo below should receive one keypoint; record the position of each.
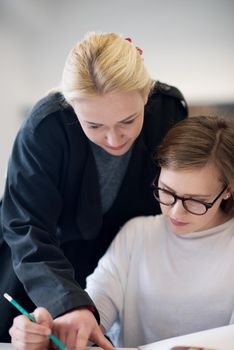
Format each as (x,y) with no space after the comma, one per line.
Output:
(82,156)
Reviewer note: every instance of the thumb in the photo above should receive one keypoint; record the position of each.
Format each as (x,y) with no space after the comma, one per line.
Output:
(99,339)
(43,317)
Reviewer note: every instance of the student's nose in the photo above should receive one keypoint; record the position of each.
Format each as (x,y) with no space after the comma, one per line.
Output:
(178,209)
(114,138)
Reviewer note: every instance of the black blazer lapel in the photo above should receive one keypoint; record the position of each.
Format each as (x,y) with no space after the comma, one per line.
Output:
(89,214)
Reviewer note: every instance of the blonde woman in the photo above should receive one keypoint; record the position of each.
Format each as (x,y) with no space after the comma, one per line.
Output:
(81,166)
(170,274)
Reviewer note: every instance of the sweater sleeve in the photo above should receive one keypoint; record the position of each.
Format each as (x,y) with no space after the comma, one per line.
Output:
(107,285)
(31,207)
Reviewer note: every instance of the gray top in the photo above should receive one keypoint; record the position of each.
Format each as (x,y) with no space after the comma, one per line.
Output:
(111,170)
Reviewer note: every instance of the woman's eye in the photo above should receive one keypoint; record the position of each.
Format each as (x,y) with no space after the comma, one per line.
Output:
(94,126)
(128,121)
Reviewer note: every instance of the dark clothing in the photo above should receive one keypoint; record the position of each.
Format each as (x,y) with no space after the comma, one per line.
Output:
(52,226)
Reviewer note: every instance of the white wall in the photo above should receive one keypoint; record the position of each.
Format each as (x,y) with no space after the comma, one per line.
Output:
(188,43)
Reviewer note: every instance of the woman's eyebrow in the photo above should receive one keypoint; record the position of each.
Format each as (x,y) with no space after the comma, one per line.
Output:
(120,121)
(127,118)
(186,194)
(93,123)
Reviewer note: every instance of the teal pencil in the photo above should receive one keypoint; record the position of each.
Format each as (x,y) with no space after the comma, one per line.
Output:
(24,312)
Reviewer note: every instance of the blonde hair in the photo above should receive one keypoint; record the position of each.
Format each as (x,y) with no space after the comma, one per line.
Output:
(104,63)
(197,141)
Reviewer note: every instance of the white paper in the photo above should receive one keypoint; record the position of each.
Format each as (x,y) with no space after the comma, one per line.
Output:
(221,338)
(4,346)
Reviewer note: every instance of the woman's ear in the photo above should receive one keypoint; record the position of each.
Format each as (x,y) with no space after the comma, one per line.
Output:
(144,95)
(145,98)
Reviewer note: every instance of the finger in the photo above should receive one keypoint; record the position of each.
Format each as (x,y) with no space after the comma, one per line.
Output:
(71,339)
(82,338)
(27,341)
(18,345)
(27,338)
(99,339)
(42,316)
(58,332)
(26,326)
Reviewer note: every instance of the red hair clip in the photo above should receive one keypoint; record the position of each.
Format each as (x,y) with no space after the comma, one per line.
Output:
(138,49)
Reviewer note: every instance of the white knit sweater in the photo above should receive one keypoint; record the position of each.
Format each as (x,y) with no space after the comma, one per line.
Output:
(157,284)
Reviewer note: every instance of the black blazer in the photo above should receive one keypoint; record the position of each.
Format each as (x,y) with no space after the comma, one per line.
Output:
(53,230)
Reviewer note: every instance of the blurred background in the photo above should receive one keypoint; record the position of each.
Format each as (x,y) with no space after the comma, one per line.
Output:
(186,43)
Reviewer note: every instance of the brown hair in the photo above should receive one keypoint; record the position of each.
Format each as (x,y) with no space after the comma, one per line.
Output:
(197,141)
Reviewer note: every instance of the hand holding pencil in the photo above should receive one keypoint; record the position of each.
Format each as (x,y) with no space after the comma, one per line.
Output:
(71,330)
(34,330)
(30,335)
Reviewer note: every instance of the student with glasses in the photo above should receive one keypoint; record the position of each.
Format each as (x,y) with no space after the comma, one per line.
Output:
(169,274)
(192,205)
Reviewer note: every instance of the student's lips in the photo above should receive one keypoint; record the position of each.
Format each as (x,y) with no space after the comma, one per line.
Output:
(177,222)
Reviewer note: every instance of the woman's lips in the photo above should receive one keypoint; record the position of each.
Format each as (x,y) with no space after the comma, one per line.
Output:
(116,148)
(177,222)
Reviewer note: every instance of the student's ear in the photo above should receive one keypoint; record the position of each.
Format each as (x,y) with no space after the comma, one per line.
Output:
(226,195)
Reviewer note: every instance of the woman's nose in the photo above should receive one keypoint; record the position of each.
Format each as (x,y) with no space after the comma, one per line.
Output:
(114,138)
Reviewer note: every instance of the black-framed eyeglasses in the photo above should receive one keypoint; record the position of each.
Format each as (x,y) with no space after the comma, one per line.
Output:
(193,206)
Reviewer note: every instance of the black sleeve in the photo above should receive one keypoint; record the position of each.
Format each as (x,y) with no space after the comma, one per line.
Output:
(31,207)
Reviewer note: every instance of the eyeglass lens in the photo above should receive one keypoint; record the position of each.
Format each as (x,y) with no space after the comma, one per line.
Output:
(190,205)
